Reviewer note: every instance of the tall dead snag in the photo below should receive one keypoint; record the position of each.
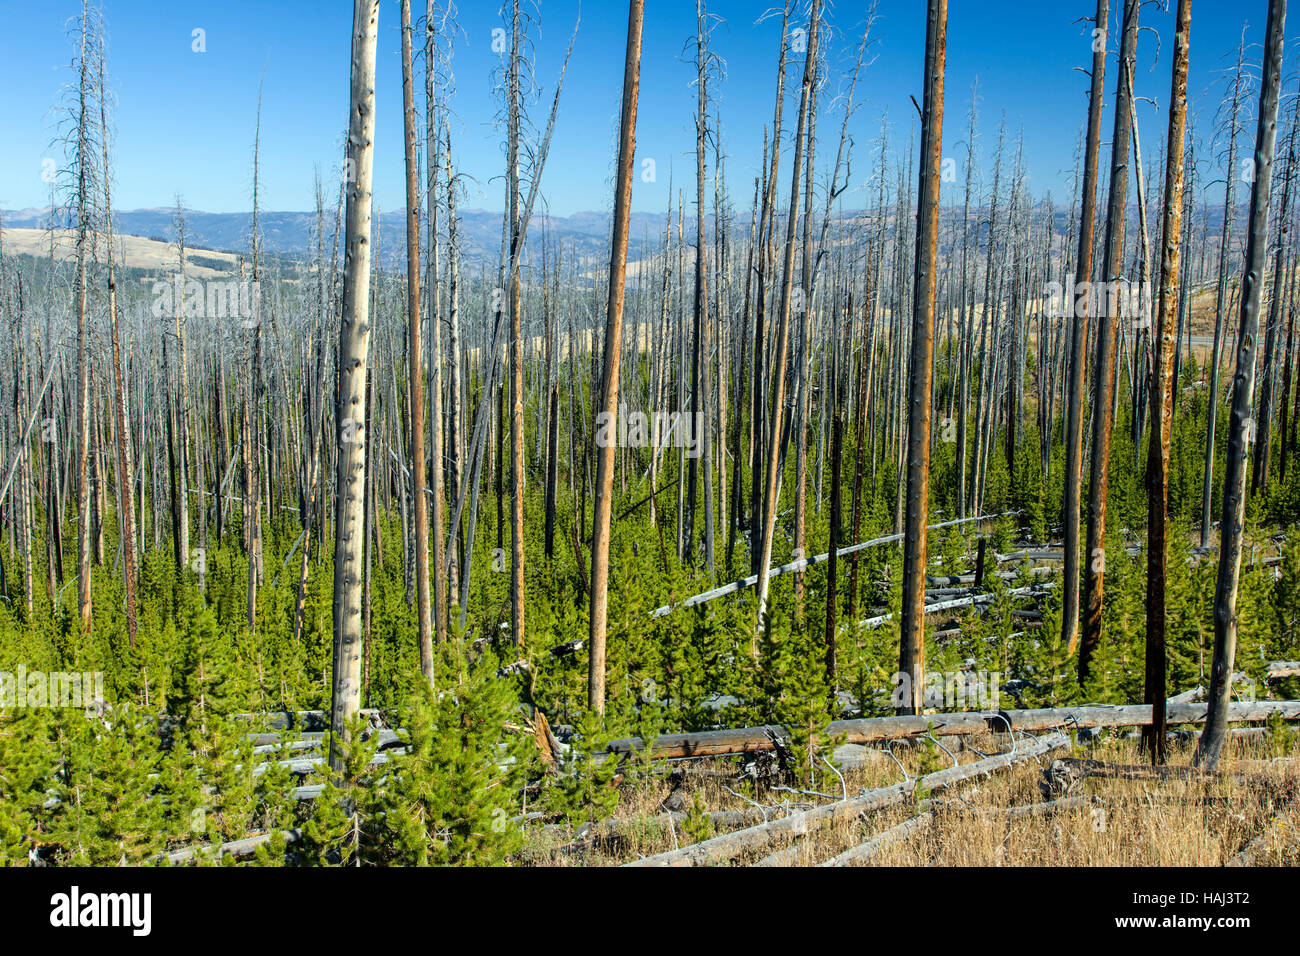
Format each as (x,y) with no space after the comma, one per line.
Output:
(350,413)
(253,402)
(967,317)
(415,357)
(515,309)
(837,390)
(125,479)
(315,392)
(1162,392)
(435,332)
(1079,340)
(1242,424)
(1268,386)
(911,655)
(1220,294)
(759,425)
(613,352)
(777,407)
(180,506)
(1107,336)
(455,421)
(519,210)
(83,172)
(700,384)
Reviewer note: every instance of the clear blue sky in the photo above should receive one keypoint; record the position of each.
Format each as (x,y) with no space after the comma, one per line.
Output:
(184,121)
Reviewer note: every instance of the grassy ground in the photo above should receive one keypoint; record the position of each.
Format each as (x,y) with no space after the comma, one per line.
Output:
(1202,822)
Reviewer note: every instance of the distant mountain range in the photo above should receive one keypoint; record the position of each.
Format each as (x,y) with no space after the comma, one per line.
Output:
(584,235)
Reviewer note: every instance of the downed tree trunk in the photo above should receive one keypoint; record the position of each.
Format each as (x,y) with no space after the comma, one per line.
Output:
(712,743)
(236,848)
(730,845)
(864,852)
(1027,810)
(616,828)
(955,603)
(1074,770)
(800,565)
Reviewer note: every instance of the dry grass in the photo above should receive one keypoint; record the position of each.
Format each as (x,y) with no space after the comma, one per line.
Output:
(134,252)
(1197,822)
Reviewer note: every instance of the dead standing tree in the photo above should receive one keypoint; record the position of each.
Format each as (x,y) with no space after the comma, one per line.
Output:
(1162,395)
(1107,336)
(777,408)
(700,354)
(1079,339)
(415,357)
(613,354)
(1242,425)
(434,291)
(125,479)
(83,177)
(350,413)
(253,401)
(1220,294)
(911,652)
(515,232)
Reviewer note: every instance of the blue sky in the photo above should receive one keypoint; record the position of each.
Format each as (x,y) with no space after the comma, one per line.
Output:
(184,121)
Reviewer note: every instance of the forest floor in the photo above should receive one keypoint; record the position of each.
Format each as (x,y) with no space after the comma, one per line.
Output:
(1250,806)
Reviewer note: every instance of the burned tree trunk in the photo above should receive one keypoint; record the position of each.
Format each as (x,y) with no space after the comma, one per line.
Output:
(911,655)
(84,186)
(1242,427)
(777,408)
(613,354)
(415,359)
(1107,336)
(125,478)
(1162,392)
(434,290)
(1079,341)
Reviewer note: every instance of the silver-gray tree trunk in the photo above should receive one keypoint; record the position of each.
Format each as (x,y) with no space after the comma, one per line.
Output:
(1242,424)
(350,414)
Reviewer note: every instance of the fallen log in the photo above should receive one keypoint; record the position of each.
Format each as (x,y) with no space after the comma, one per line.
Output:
(615,829)
(864,852)
(236,848)
(730,845)
(1188,696)
(1080,768)
(309,720)
(863,730)
(1025,810)
(868,850)
(958,580)
(748,582)
(1043,554)
(1064,774)
(310,741)
(958,603)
